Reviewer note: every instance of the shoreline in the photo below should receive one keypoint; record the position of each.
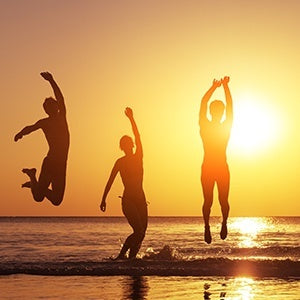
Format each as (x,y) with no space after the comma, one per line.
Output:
(143,267)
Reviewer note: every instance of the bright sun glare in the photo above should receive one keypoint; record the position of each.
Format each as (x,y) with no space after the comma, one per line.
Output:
(244,287)
(254,126)
(249,228)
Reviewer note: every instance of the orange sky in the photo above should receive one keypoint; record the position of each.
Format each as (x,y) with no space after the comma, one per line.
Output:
(159,57)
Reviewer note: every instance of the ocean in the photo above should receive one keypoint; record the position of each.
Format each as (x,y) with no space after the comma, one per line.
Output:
(70,258)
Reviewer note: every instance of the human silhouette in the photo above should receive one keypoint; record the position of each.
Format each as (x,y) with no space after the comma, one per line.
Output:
(134,204)
(54,165)
(215,134)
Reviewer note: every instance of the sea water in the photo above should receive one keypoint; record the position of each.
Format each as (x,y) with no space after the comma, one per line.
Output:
(69,258)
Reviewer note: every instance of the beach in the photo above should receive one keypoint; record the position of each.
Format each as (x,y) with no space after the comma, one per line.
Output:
(146,287)
(70,258)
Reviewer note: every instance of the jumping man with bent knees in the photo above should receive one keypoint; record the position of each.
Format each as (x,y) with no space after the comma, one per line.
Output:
(56,131)
(215,135)
(134,204)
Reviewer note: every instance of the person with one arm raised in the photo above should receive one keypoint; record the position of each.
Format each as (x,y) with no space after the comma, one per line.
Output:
(55,128)
(134,205)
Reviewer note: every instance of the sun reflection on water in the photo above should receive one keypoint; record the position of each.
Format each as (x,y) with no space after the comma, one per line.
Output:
(249,229)
(244,287)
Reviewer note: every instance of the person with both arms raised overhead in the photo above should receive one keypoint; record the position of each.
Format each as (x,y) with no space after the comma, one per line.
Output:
(215,135)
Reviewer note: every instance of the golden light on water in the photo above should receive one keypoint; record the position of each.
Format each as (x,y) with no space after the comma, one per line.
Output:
(249,229)
(244,288)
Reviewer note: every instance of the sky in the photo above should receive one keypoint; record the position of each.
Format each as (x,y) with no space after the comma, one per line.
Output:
(158,57)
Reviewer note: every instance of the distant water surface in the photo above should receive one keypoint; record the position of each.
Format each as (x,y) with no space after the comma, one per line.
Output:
(92,239)
(34,245)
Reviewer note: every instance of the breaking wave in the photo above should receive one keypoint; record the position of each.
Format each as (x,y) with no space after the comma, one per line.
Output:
(165,262)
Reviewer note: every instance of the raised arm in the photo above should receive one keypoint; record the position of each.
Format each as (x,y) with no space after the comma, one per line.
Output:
(229,110)
(204,101)
(28,129)
(57,92)
(109,183)
(138,143)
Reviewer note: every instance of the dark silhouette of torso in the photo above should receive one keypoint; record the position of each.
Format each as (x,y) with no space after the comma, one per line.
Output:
(131,171)
(57,135)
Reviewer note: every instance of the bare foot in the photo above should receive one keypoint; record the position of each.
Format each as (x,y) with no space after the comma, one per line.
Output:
(30,172)
(26,184)
(223,233)
(119,257)
(207,235)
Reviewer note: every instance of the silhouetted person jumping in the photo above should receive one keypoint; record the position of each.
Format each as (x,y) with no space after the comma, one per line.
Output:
(215,135)
(134,204)
(54,165)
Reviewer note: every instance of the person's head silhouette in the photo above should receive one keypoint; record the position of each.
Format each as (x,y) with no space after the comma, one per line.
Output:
(126,144)
(50,106)
(217,109)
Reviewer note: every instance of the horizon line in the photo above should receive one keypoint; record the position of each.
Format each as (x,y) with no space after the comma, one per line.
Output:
(156,216)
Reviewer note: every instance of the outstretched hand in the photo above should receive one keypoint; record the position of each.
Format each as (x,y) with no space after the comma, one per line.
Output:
(18,136)
(47,76)
(216,83)
(103,206)
(225,80)
(129,112)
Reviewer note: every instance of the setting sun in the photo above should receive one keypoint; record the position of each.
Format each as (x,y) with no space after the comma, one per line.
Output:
(150,150)
(255,125)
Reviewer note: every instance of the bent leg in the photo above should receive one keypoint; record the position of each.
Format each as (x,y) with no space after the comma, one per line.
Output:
(133,241)
(58,182)
(38,188)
